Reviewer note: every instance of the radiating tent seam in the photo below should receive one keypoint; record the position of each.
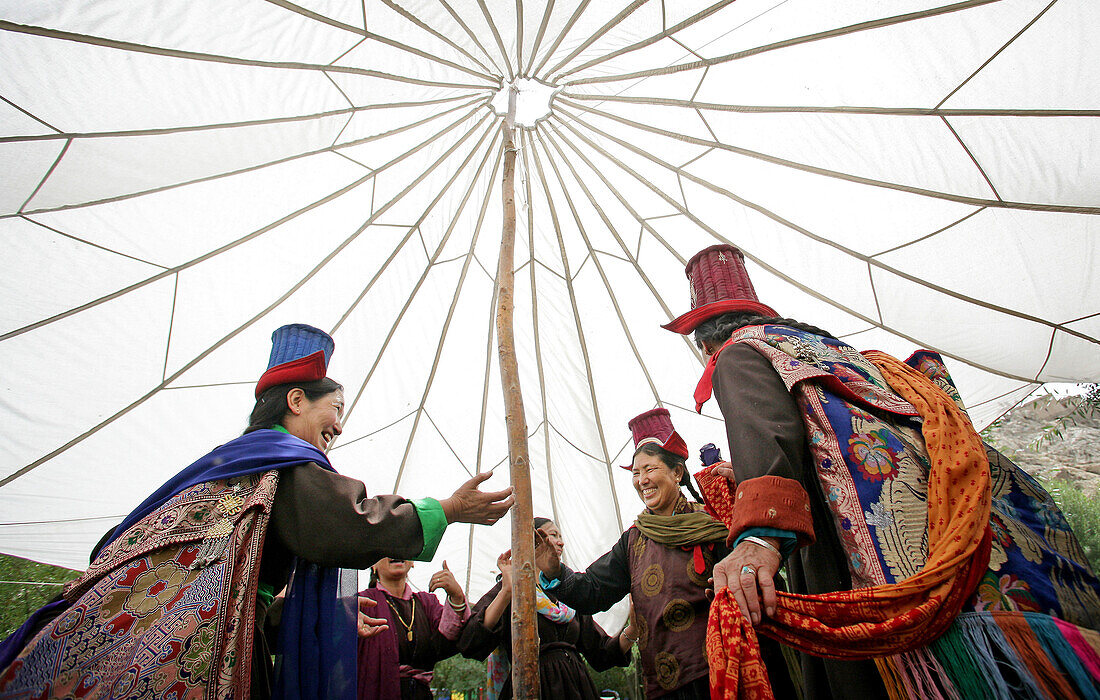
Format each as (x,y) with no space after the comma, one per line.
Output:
(233,244)
(667,32)
(496,36)
(926,236)
(828,109)
(787,278)
(786,43)
(947,196)
(970,155)
(477,102)
(580,331)
(477,42)
(90,243)
(442,37)
(645,226)
(529,208)
(5,25)
(474,181)
(596,262)
(996,53)
(822,239)
(80,438)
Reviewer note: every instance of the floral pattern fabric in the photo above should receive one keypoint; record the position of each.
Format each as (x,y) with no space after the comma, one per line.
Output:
(148,619)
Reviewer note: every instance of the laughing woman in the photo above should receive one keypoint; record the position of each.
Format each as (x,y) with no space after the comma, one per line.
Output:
(177,601)
(564,636)
(663,561)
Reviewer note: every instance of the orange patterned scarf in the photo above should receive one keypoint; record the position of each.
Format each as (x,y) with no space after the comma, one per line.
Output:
(886,619)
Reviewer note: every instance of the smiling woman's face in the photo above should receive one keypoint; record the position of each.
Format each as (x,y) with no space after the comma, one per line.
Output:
(316,422)
(657,484)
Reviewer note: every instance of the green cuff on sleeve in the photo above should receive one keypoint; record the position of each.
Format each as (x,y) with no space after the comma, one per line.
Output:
(433,522)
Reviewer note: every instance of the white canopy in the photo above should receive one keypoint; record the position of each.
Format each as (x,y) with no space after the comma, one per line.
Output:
(179,179)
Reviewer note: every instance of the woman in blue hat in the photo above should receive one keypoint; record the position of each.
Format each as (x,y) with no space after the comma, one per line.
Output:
(179,600)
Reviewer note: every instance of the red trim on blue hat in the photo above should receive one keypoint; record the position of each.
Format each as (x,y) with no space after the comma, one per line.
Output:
(305,369)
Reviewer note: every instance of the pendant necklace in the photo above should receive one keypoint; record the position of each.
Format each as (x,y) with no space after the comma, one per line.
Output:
(412,618)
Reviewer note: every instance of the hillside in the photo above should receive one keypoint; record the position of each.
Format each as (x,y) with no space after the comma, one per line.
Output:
(1074,456)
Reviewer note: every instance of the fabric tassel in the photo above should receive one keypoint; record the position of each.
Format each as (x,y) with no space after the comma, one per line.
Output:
(891,678)
(1060,650)
(980,637)
(1086,652)
(1030,651)
(926,677)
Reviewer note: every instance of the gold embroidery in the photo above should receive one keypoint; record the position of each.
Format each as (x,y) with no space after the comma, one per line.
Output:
(668,670)
(678,615)
(653,580)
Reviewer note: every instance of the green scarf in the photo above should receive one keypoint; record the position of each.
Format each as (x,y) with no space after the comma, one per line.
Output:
(681,529)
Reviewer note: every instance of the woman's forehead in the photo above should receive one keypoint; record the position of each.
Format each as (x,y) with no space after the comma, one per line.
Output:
(647,460)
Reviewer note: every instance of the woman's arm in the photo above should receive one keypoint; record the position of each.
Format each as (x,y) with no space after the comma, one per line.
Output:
(478,640)
(503,600)
(603,584)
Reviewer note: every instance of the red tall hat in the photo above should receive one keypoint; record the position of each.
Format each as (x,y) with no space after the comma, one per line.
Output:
(655,427)
(720,284)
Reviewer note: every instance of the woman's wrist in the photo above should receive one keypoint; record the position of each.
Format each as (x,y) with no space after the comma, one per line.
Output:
(460,605)
(630,634)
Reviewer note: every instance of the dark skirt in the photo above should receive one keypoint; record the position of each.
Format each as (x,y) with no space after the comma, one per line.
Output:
(562,675)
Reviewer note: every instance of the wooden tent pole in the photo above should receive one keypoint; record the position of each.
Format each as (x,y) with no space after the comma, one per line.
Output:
(525,643)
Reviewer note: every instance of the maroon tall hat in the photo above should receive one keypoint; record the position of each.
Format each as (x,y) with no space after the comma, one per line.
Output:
(655,427)
(720,284)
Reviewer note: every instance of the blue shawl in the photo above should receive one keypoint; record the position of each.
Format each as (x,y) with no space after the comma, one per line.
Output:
(317,639)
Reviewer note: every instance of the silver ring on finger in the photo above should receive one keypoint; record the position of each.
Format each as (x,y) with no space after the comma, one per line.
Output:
(748,569)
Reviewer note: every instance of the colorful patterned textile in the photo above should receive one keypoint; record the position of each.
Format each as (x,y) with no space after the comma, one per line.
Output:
(166,610)
(872,462)
(498,667)
(899,616)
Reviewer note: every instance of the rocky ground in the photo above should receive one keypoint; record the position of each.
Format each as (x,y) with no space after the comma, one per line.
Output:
(1074,456)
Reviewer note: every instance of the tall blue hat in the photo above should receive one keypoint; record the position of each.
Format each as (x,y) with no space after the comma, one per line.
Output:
(299,353)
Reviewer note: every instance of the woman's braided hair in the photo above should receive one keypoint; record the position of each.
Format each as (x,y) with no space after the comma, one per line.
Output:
(716,330)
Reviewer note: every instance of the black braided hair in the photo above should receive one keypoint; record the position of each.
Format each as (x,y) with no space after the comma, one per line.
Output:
(716,330)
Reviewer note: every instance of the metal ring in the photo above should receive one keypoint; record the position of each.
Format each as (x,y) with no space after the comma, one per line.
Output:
(747,569)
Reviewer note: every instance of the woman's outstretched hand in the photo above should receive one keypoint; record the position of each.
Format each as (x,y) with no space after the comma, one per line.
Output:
(369,626)
(470,505)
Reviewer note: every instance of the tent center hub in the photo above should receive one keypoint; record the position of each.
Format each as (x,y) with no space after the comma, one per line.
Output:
(532,102)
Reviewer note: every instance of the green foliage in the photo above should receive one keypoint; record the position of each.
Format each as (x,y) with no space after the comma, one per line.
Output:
(462,674)
(1083,513)
(21,592)
(459,673)
(625,680)
(1088,407)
